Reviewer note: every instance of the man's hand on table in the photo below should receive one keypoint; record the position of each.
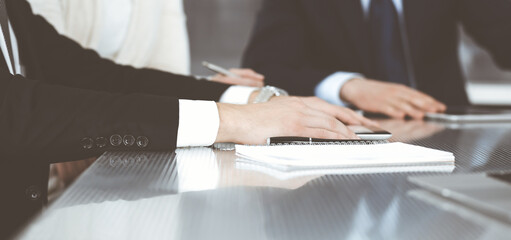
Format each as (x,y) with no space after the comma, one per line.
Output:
(345,115)
(281,116)
(391,99)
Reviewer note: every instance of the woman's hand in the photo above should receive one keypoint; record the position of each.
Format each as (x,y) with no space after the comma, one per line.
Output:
(247,77)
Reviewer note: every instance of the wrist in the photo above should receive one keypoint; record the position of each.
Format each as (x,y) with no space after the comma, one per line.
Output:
(268,92)
(349,90)
(253,95)
(228,125)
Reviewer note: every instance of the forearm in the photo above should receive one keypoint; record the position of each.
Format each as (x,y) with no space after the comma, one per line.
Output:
(329,89)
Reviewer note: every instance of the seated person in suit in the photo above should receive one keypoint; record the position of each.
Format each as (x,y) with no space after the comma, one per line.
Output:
(395,57)
(121,31)
(59,102)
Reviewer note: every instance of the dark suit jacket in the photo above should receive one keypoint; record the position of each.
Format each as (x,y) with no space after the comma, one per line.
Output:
(69,99)
(297,43)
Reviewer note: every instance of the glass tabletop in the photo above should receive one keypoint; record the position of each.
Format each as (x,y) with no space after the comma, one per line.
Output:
(206,193)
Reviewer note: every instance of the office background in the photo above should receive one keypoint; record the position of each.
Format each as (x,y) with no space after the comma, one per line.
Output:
(219,31)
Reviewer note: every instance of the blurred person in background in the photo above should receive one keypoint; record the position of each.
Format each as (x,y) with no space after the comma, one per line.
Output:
(394,57)
(140,33)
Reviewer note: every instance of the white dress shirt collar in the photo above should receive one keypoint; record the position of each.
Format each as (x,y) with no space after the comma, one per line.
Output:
(16,69)
(366,5)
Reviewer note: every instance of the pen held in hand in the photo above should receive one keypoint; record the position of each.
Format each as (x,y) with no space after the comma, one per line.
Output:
(218,69)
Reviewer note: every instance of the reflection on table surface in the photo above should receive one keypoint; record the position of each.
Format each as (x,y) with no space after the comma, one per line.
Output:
(495,228)
(205,193)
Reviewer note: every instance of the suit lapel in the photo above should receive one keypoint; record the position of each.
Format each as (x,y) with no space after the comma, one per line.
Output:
(26,51)
(352,17)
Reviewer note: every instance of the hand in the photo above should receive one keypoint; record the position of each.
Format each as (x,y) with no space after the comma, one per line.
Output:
(247,78)
(394,100)
(283,116)
(346,115)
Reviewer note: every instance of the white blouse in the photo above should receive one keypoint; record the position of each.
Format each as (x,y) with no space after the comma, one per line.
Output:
(117,15)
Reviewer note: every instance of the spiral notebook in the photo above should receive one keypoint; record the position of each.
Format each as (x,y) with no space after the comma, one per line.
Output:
(345,154)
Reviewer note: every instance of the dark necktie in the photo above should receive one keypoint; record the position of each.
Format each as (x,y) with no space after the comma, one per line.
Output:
(387,46)
(5,29)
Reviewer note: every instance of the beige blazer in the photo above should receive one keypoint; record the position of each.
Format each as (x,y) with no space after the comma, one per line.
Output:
(157,36)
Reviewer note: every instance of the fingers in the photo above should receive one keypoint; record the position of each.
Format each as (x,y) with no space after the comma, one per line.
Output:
(406,101)
(400,108)
(306,118)
(238,81)
(407,109)
(350,117)
(247,73)
(345,115)
(320,120)
(247,77)
(394,100)
(322,133)
(424,102)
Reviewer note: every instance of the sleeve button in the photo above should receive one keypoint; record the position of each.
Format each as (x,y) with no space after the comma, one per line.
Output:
(33,192)
(100,142)
(116,140)
(87,143)
(128,140)
(142,141)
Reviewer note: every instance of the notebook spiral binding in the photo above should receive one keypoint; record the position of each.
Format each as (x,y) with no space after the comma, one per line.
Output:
(230,146)
(348,142)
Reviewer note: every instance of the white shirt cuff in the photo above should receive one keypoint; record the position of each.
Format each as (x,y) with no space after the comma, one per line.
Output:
(329,89)
(198,123)
(237,94)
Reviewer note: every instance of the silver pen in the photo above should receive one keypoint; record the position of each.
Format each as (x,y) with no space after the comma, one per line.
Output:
(219,69)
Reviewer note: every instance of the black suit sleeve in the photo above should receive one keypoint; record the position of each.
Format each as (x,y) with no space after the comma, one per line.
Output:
(489,23)
(77,95)
(65,62)
(278,48)
(44,121)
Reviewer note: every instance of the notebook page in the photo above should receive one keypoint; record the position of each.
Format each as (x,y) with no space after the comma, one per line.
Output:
(391,154)
(293,172)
